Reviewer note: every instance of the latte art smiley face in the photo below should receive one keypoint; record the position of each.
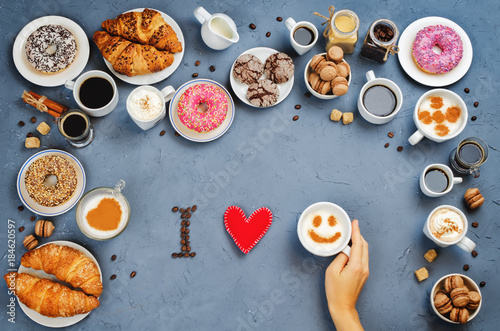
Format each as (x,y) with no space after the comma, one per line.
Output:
(323,231)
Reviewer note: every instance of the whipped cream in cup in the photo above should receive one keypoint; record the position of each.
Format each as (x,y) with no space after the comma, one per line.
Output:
(146,105)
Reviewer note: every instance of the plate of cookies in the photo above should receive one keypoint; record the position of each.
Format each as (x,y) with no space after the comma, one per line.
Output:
(262,77)
(51,182)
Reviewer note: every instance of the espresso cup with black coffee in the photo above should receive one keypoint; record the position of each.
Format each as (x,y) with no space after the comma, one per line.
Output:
(437,180)
(380,99)
(470,154)
(303,35)
(76,128)
(95,92)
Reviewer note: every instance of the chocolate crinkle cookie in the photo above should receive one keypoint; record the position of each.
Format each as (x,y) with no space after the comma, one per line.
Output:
(248,69)
(263,93)
(279,68)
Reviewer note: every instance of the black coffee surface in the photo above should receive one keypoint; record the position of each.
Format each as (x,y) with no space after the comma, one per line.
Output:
(74,125)
(379,100)
(436,180)
(96,92)
(303,36)
(470,153)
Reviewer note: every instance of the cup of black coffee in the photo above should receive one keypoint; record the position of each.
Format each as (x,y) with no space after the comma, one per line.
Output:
(76,128)
(303,35)
(437,180)
(95,92)
(470,154)
(380,99)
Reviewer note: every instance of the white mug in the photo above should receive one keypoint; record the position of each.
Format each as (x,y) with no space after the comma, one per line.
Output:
(95,112)
(165,95)
(341,216)
(463,242)
(372,81)
(293,26)
(449,174)
(421,132)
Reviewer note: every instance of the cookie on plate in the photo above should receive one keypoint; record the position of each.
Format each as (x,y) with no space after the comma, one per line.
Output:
(263,93)
(248,69)
(279,68)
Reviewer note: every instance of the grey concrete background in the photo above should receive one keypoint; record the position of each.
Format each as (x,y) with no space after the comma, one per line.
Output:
(265,159)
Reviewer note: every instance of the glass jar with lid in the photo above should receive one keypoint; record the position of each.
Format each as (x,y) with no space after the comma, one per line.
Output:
(343,32)
(380,40)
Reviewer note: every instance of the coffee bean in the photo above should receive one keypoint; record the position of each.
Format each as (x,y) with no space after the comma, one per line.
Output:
(386,145)
(183,223)
(113,257)
(183,248)
(183,229)
(193,254)
(183,215)
(132,275)
(212,68)
(20,208)
(279,19)
(33,119)
(194,208)
(182,210)
(162,133)
(268,34)
(29,135)
(390,135)
(177,134)
(186,254)
(21,123)
(113,276)
(473,118)
(474,253)
(307,94)
(197,63)
(466,90)
(400,148)
(188,209)
(21,229)
(474,224)
(175,209)
(482,284)
(194,75)
(296,117)
(183,235)
(178,254)
(188,223)
(187,243)
(187,237)
(183,241)
(187,231)
(188,215)
(188,248)
(476,104)
(466,267)
(32,218)
(298,106)
(252,26)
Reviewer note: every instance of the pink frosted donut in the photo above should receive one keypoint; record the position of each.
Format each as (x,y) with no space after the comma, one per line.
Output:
(215,100)
(443,37)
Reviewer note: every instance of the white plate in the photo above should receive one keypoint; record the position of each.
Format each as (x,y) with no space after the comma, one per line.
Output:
(160,75)
(410,67)
(36,77)
(196,136)
(57,210)
(240,89)
(57,322)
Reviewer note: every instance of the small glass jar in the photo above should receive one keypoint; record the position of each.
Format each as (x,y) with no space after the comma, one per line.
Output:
(344,27)
(383,34)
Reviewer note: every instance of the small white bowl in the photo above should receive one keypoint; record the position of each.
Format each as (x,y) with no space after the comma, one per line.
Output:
(469,283)
(308,70)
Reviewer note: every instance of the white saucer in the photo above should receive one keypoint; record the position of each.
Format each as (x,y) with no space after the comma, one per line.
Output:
(410,67)
(160,75)
(57,210)
(240,89)
(36,77)
(197,136)
(57,322)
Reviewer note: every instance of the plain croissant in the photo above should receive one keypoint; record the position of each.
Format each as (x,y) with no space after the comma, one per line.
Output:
(129,58)
(67,264)
(49,298)
(147,28)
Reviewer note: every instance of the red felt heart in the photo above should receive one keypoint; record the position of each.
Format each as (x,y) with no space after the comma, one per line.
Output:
(246,232)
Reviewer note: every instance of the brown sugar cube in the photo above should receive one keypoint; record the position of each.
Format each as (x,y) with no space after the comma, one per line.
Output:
(431,255)
(336,115)
(421,274)
(43,128)
(347,118)
(32,142)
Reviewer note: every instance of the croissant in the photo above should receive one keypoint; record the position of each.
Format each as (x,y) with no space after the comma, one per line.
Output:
(129,58)
(67,264)
(147,28)
(49,298)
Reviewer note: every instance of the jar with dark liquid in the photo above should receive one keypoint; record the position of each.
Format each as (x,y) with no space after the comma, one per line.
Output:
(470,154)
(383,34)
(75,127)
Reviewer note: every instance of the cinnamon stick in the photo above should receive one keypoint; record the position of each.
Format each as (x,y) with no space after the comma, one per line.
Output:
(52,105)
(49,111)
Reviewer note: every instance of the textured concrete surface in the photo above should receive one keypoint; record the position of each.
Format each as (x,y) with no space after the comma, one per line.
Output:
(265,159)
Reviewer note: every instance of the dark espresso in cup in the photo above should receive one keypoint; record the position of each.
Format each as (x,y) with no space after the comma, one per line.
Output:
(303,36)
(379,100)
(96,92)
(74,125)
(470,154)
(436,180)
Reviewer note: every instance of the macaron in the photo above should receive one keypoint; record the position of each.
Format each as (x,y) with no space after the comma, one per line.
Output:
(460,297)
(343,69)
(460,315)
(328,72)
(335,53)
(340,86)
(453,282)
(319,85)
(442,303)
(316,61)
(474,300)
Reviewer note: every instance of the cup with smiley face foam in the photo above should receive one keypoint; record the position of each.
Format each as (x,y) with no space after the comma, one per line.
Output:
(324,229)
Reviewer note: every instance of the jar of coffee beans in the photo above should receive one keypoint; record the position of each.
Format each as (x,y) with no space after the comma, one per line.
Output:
(380,40)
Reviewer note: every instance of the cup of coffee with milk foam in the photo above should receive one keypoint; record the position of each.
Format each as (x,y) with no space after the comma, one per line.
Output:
(146,105)
(446,226)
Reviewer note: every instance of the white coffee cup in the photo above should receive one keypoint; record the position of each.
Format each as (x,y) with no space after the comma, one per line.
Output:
(462,241)
(372,81)
(164,96)
(293,26)
(421,132)
(449,174)
(95,112)
(344,226)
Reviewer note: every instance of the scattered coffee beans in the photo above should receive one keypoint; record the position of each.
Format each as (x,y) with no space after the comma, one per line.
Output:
(32,218)
(307,94)
(279,19)
(400,148)
(476,104)
(193,254)
(113,276)
(197,63)
(212,68)
(132,275)
(188,215)
(194,208)
(188,209)
(466,267)
(177,134)
(252,26)
(474,253)
(268,34)
(466,90)
(194,75)
(482,284)
(390,134)
(386,145)
(474,224)
(21,229)
(175,209)
(182,210)
(473,118)
(113,257)
(298,106)
(33,119)
(174,254)
(296,117)
(21,123)
(29,135)
(162,133)
(20,208)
